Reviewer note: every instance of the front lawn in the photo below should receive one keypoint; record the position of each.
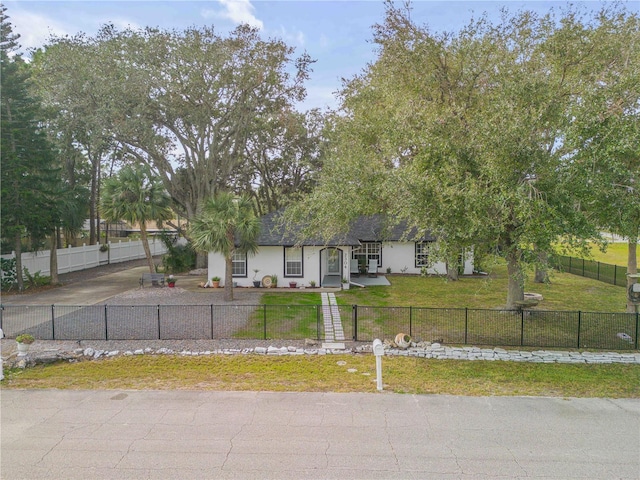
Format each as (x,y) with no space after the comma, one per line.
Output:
(564,292)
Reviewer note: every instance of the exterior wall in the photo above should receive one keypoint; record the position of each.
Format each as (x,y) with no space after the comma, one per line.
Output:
(401,255)
(270,261)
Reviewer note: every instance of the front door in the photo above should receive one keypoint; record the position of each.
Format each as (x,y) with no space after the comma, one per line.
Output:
(333,261)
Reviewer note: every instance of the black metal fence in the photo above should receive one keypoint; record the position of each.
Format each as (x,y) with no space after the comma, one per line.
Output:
(605,272)
(527,328)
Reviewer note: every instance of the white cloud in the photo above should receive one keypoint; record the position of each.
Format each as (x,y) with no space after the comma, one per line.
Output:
(238,11)
(296,37)
(35,29)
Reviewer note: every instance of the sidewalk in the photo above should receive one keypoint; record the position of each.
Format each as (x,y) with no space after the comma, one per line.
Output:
(262,435)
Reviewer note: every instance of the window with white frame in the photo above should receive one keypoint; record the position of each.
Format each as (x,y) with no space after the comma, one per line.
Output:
(423,251)
(239,264)
(292,261)
(367,252)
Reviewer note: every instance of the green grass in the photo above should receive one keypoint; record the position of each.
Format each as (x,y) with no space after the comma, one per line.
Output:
(325,374)
(292,315)
(614,254)
(564,292)
(438,312)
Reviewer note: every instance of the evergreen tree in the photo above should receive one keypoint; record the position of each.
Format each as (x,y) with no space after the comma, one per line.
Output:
(29,179)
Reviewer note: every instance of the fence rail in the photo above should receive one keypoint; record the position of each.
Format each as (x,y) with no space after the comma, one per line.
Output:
(463,326)
(72,259)
(604,272)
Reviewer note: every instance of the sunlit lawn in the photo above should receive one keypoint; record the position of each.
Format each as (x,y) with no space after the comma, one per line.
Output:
(331,374)
(615,254)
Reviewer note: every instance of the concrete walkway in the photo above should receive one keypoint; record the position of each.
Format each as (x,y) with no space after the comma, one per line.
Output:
(252,435)
(333,331)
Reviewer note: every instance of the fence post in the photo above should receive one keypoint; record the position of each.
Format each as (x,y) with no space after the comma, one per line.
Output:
(1,312)
(579,326)
(211,319)
(159,336)
(522,327)
(637,326)
(410,321)
(466,325)
(583,267)
(317,322)
(53,322)
(106,327)
(264,318)
(598,275)
(615,274)
(354,316)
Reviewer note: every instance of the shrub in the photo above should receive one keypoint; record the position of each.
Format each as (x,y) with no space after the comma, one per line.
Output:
(179,258)
(25,338)
(8,273)
(37,279)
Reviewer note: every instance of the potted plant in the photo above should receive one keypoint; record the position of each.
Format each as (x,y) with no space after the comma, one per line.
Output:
(345,283)
(403,340)
(312,284)
(256,283)
(215,281)
(171,281)
(24,341)
(293,284)
(274,281)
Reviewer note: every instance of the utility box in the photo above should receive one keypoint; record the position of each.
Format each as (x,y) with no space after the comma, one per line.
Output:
(378,348)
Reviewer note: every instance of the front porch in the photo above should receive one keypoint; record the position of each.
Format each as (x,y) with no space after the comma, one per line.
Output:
(334,281)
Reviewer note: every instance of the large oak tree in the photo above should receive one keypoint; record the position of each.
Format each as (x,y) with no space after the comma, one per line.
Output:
(464,134)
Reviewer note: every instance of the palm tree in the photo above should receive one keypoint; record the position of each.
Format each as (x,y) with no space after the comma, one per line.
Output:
(224,224)
(136,196)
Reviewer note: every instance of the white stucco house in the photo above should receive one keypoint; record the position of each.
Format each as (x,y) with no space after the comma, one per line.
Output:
(328,263)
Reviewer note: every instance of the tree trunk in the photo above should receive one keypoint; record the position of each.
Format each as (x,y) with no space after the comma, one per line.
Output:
(515,291)
(53,258)
(632,268)
(228,278)
(18,250)
(452,270)
(145,245)
(93,200)
(542,268)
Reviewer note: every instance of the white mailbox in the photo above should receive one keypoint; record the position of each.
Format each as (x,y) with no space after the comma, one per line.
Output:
(378,348)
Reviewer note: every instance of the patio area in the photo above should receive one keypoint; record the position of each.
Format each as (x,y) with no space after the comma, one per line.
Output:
(333,281)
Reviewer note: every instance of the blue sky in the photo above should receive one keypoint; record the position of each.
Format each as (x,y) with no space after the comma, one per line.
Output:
(336,34)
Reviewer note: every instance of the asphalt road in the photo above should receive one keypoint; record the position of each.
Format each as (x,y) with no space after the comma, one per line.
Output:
(262,435)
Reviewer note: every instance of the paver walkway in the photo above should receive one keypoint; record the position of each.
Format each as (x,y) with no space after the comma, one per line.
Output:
(333,331)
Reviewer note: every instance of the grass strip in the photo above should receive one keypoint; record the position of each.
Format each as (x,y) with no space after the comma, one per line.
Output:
(334,373)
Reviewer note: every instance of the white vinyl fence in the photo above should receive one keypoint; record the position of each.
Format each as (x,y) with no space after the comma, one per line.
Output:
(88,256)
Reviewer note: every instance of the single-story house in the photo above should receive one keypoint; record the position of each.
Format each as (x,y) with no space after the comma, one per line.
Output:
(328,263)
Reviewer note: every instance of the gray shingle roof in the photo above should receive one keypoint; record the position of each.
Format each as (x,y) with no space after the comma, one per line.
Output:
(374,228)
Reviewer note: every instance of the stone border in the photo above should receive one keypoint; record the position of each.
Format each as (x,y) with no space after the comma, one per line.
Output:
(424,350)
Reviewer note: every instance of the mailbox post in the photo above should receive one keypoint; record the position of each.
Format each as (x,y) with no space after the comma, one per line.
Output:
(378,351)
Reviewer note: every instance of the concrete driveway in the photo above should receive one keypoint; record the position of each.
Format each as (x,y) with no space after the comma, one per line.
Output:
(261,435)
(89,292)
